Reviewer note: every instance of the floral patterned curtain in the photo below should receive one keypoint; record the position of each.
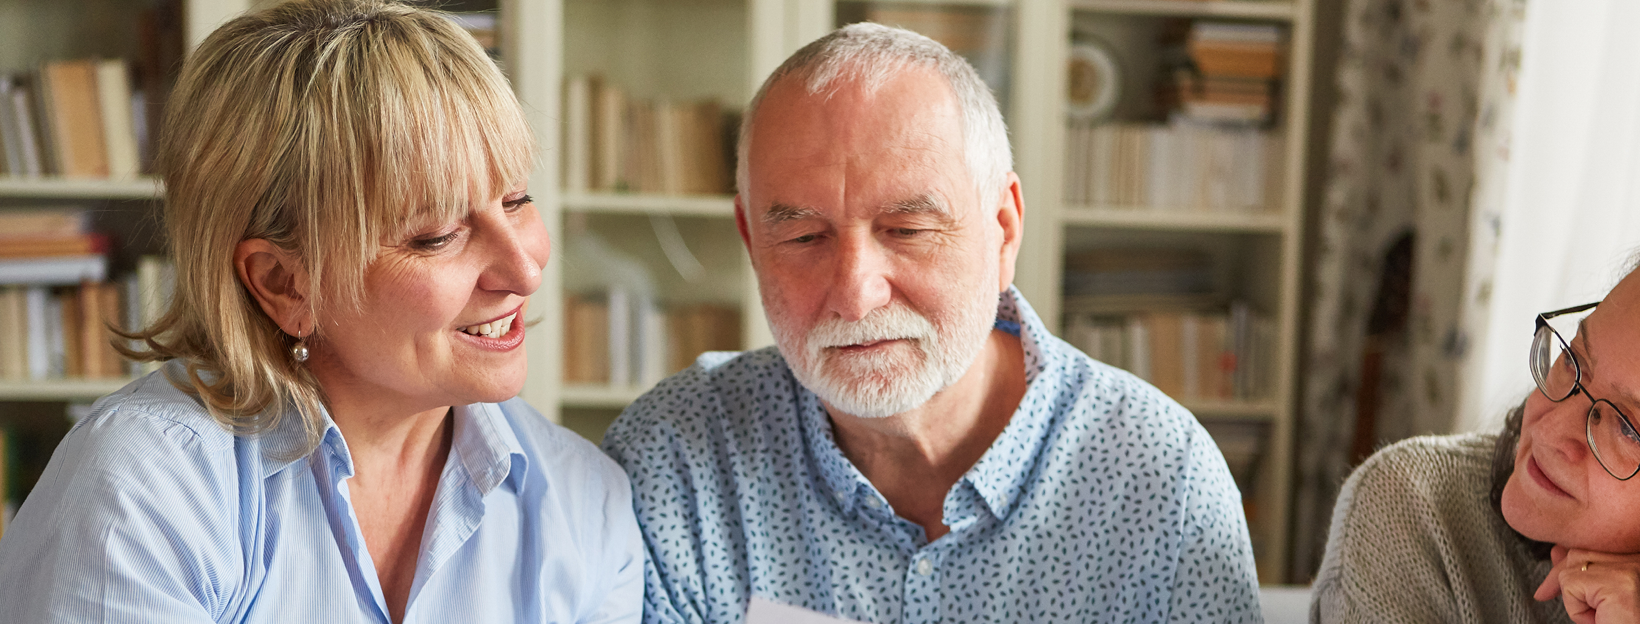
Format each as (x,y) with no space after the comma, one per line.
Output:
(1410,76)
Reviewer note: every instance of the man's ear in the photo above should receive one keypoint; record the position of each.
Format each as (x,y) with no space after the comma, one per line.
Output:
(740,222)
(277,281)
(1010,212)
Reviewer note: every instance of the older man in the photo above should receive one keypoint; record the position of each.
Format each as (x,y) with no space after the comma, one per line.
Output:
(917,448)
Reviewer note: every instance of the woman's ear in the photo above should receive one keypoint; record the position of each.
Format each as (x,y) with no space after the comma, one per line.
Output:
(277,281)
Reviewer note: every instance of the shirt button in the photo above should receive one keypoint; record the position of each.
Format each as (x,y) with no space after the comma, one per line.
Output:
(873,503)
(925,567)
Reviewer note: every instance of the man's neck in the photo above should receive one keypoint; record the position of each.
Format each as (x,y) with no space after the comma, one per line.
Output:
(915,457)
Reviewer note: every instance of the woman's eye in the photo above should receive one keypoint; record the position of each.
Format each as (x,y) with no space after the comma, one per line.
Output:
(514,204)
(434,243)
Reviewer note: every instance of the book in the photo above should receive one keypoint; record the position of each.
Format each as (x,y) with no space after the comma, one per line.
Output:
(21,128)
(114,101)
(586,340)
(81,245)
(36,308)
(45,222)
(13,335)
(577,139)
(616,143)
(73,118)
(54,270)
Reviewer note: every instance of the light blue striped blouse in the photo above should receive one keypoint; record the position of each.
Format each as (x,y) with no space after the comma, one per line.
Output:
(151,512)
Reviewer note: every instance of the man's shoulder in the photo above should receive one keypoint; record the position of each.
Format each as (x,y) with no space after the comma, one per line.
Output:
(1086,389)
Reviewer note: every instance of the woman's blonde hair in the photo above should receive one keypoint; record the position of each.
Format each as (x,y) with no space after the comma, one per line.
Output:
(325,127)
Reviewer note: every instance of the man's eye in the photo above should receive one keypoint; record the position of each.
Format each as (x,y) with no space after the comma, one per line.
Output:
(906,232)
(806,238)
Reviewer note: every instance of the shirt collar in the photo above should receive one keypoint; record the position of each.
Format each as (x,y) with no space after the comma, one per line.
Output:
(483,443)
(1002,473)
(487,447)
(999,476)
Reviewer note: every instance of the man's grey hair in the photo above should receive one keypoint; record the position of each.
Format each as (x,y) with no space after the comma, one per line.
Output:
(871,54)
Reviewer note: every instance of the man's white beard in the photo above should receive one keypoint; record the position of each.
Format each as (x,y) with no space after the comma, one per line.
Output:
(890,380)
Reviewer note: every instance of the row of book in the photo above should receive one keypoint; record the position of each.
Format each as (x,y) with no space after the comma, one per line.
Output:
(1177,166)
(1209,355)
(621,339)
(614,142)
(62,332)
(77,118)
(1232,74)
(57,301)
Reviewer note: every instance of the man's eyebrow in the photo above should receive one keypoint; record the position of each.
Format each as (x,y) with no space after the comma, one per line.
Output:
(782,213)
(923,204)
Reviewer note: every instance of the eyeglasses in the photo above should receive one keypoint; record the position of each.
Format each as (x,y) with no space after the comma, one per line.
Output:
(1612,436)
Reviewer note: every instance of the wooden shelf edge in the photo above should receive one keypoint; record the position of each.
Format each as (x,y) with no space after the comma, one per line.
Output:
(1146,218)
(639,203)
(60,389)
(71,188)
(596,396)
(1232,411)
(1246,9)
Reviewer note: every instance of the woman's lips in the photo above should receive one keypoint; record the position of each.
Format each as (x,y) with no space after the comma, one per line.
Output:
(1542,478)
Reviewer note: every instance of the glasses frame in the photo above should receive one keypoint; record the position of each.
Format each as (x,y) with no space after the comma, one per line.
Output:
(1540,376)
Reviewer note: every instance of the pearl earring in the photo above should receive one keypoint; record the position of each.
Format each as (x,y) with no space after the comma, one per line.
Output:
(299,351)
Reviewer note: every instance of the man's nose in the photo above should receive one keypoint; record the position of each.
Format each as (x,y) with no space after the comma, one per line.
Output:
(861,283)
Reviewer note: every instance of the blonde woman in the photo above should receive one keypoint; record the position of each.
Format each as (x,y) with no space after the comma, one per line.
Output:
(332,437)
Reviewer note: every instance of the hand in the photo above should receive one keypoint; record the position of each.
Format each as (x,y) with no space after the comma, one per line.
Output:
(1597,587)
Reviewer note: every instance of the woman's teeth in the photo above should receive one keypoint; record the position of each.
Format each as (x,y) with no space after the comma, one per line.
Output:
(493,329)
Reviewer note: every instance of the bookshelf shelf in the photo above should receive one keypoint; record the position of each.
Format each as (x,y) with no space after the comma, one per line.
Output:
(639,203)
(1146,218)
(993,3)
(598,396)
(72,390)
(71,188)
(1232,411)
(1245,9)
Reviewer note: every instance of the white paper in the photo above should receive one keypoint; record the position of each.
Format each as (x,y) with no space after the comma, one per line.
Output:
(765,611)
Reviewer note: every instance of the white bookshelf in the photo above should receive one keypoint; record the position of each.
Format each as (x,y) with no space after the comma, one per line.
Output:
(1264,249)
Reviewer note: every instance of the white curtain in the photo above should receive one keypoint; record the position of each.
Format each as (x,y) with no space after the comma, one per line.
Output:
(1561,222)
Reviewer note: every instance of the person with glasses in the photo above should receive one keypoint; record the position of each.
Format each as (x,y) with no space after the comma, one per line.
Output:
(1538,523)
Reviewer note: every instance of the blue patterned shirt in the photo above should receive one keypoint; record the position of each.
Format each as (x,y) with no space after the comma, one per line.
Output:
(1102,501)
(151,512)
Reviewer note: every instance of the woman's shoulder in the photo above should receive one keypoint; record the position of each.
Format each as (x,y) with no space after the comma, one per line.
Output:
(1418,481)
(1432,467)
(148,418)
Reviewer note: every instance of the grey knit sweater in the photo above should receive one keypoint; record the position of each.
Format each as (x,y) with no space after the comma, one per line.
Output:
(1415,539)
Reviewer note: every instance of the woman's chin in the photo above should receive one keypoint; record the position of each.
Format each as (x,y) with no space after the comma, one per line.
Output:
(1525,516)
